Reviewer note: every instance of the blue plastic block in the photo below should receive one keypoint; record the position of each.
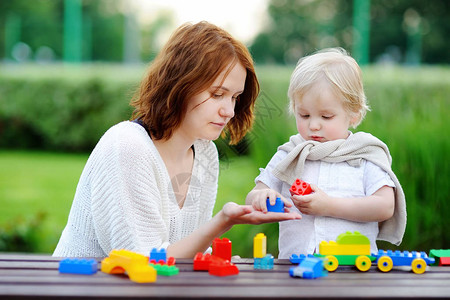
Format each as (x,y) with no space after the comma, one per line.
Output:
(297,259)
(404,258)
(277,207)
(158,255)
(309,268)
(264,263)
(78,266)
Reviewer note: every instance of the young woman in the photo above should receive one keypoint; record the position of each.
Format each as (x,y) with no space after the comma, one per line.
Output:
(152,182)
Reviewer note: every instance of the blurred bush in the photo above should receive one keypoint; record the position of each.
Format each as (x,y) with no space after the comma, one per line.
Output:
(63,109)
(22,235)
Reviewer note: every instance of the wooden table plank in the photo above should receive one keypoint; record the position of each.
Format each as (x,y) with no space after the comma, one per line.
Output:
(28,276)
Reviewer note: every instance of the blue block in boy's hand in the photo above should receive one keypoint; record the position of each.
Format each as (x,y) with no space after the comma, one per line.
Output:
(277,207)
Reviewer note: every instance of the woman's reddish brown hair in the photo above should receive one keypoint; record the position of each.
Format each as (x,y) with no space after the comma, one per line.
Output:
(188,64)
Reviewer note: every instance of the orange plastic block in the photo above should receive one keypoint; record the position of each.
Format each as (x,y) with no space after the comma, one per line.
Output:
(299,187)
(346,244)
(222,248)
(134,264)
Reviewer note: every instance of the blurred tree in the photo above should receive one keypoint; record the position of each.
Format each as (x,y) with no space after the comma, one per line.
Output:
(152,34)
(300,27)
(107,23)
(41,25)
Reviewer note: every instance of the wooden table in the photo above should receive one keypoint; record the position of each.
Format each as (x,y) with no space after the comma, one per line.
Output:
(37,276)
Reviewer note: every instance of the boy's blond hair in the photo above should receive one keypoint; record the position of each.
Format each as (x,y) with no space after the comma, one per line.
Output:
(342,73)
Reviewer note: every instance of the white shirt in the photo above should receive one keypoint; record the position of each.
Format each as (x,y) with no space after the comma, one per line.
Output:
(336,179)
(125,198)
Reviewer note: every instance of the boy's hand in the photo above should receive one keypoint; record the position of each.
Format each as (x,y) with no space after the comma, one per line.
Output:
(258,196)
(316,203)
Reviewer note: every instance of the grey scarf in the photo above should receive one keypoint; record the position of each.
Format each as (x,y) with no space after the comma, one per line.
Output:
(352,150)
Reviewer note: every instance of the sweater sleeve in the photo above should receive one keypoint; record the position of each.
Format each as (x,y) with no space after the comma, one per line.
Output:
(127,187)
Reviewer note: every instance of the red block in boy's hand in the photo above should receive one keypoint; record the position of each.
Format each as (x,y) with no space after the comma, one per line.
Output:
(299,187)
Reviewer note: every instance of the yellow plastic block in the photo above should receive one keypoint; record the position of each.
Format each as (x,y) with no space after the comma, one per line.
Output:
(134,264)
(259,245)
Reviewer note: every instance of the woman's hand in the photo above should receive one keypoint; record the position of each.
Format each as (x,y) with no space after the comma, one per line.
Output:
(246,214)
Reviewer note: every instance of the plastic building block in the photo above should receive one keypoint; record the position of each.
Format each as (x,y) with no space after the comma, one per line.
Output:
(444,261)
(417,260)
(348,249)
(265,263)
(214,265)
(156,256)
(222,268)
(165,270)
(346,244)
(202,261)
(78,266)
(297,259)
(299,187)
(134,264)
(277,207)
(309,268)
(222,248)
(441,256)
(259,245)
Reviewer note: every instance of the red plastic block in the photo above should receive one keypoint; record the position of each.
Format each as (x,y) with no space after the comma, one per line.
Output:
(444,261)
(299,187)
(222,268)
(170,261)
(222,248)
(201,262)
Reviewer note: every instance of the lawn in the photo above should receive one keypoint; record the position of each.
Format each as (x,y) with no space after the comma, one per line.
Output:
(37,184)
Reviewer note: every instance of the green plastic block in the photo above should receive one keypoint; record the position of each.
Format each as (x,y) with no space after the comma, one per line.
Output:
(165,270)
(354,238)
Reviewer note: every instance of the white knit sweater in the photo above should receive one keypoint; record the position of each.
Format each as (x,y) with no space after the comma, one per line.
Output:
(125,198)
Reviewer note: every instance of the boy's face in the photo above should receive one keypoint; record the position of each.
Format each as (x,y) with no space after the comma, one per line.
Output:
(320,114)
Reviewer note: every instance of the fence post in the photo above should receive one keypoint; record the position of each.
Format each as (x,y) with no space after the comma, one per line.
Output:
(361,31)
(72,31)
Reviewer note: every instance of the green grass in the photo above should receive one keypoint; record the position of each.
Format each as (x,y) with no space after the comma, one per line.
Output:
(34,183)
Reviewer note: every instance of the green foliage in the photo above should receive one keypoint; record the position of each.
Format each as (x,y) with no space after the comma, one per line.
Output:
(41,24)
(298,28)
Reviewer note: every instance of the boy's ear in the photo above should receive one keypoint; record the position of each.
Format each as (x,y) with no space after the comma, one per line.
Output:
(354,119)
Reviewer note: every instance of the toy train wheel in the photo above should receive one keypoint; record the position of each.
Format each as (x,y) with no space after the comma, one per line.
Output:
(363,263)
(331,263)
(385,264)
(418,266)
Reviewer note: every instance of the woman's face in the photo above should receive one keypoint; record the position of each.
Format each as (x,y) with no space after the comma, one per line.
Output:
(209,111)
